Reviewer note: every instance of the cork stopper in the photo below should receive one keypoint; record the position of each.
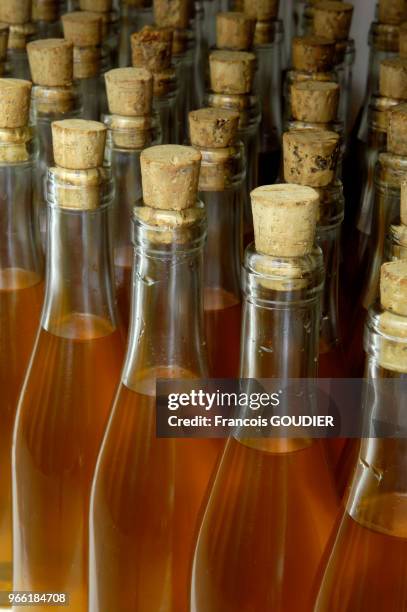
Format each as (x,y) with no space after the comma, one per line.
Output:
(391,11)
(78,144)
(83,29)
(152,48)
(20,34)
(232,72)
(129,91)
(96,6)
(51,62)
(172,13)
(4,31)
(397,130)
(313,53)
(234,31)
(213,127)
(310,157)
(261,10)
(333,19)
(315,101)
(15,11)
(44,10)
(393,78)
(393,287)
(284,219)
(15,97)
(170,175)
(403,202)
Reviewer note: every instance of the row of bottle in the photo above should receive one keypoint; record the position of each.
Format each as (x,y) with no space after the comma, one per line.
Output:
(147,529)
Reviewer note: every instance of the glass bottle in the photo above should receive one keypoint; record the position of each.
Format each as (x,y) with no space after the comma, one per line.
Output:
(148,491)
(17,14)
(372,531)
(390,171)
(74,369)
(84,30)
(110,30)
(213,133)
(333,20)
(131,128)
(152,49)
(231,77)
(54,97)
(261,525)
(134,15)
(21,282)
(396,244)
(45,15)
(4,31)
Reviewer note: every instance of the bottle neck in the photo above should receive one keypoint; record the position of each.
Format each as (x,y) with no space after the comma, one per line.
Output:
(166,329)
(79,280)
(380,480)
(281,316)
(20,250)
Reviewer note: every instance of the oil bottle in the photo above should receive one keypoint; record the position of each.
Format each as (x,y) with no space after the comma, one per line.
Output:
(17,15)
(134,15)
(110,30)
(152,49)
(54,97)
(148,491)
(231,78)
(333,20)
(373,528)
(214,133)
(390,171)
(131,128)
(73,372)
(258,506)
(84,30)
(21,282)
(45,15)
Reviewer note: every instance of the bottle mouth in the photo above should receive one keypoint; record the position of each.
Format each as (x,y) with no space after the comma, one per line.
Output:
(132,133)
(79,190)
(17,145)
(247,105)
(385,338)
(222,169)
(384,37)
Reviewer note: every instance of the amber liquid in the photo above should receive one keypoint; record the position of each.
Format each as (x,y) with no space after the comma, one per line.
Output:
(267,523)
(21,295)
(61,419)
(122,273)
(222,312)
(367,569)
(147,501)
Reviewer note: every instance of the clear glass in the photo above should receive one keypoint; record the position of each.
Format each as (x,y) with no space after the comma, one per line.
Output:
(49,104)
(346,53)
(268,88)
(396,243)
(19,68)
(143,522)
(259,509)
(201,53)
(65,403)
(373,529)
(132,19)
(123,148)
(89,90)
(21,295)
(166,106)
(188,98)
(222,296)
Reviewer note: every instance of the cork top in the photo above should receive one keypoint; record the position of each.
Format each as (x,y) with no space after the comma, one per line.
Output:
(78,144)
(333,19)
(15,11)
(83,29)
(129,91)
(315,101)
(152,48)
(172,13)
(391,11)
(261,10)
(313,53)
(393,287)
(170,175)
(232,72)
(97,6)
(393,78)
(397,130)
(213,127)
(284,219)
(403,202)
(234,31)
(15,95)
(51,62)
(310,157)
